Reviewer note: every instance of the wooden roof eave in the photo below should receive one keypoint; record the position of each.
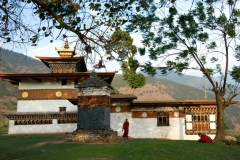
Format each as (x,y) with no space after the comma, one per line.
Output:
(81,76)
(123,97)
(15,82)
(114,98)
(187,103)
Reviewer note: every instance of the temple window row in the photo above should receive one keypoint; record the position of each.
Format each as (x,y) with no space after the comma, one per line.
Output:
(32,122)
(44,121)
(43,116)
(61,121)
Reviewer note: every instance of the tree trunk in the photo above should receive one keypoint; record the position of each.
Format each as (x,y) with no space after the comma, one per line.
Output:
(220,135)
(132,90)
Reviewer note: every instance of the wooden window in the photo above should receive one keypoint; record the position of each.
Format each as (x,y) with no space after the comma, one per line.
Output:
(75,82)
(64,82)
(162,119)
(200,122)
(62,108)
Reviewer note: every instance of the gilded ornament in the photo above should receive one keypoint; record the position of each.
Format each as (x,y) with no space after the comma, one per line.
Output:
(58,93)
(25,94)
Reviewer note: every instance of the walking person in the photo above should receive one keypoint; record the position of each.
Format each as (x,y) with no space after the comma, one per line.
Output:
(125,128)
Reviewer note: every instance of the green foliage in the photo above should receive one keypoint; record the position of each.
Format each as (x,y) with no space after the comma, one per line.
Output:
(151,71)
(196,34)
(237,52)
(136,80)
(115,91)
(122,45)
(235,73)
(181,33)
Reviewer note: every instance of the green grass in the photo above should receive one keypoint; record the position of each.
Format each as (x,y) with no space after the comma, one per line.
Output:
(53,147)
(3,130)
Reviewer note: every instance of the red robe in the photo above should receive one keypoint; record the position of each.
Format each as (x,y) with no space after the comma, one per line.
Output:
(205,139)
(125,127)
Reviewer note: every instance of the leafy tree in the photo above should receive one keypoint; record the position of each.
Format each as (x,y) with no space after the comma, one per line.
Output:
(122,44)
(88,22)
(136,80)
(208,30)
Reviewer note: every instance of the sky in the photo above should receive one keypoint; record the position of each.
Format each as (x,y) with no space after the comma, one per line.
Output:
(45,48)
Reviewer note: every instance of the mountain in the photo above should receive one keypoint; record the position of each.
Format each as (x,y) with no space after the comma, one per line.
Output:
(12,62)
(170,88)
(160,89)
(193,81)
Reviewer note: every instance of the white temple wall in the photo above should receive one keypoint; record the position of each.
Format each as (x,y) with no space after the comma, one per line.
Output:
(44,105)
(147,127)
(46,84)
(45,128)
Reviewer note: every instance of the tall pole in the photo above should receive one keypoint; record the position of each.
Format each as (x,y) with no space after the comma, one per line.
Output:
(205,93)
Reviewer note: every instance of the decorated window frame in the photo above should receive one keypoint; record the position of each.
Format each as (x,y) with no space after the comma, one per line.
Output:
(162,118)
(200,119)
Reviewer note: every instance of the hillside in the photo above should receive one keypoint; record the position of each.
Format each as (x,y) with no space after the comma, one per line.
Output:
(155,89)
(12,62)
(193,81)
(161,89)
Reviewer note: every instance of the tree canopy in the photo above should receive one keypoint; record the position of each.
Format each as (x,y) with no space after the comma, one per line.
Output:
(122,45)
(207,33)
(89,23)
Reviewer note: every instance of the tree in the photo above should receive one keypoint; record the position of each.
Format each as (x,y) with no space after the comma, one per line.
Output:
(89,23)
(122,45)
(209,30)
(136,80)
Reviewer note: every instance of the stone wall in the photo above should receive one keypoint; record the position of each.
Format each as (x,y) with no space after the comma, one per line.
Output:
(103,136)
(93,118)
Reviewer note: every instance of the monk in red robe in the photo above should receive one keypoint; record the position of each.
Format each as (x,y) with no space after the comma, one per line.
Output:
(125,128)
(204,138)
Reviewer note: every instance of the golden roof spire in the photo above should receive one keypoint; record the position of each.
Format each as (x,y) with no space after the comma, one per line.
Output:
(66,51)
(66,46)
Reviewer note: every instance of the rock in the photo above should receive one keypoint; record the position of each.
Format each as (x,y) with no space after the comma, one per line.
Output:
(230,138)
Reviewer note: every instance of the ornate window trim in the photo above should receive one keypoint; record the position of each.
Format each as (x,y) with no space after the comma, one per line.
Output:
(162,118)
(200,119)
(42,118)
(33,122)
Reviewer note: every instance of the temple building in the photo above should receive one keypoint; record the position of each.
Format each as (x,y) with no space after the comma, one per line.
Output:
(71,98)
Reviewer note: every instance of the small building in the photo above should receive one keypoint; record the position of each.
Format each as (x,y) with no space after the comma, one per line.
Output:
(49,102)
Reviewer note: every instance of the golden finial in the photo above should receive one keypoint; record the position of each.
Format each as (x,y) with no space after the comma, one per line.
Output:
(66,46)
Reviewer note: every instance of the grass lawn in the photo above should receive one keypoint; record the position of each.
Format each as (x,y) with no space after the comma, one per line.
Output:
(54,147)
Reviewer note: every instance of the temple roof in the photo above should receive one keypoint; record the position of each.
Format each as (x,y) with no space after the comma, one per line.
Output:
(80,62)
(80,76)
(66,63)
